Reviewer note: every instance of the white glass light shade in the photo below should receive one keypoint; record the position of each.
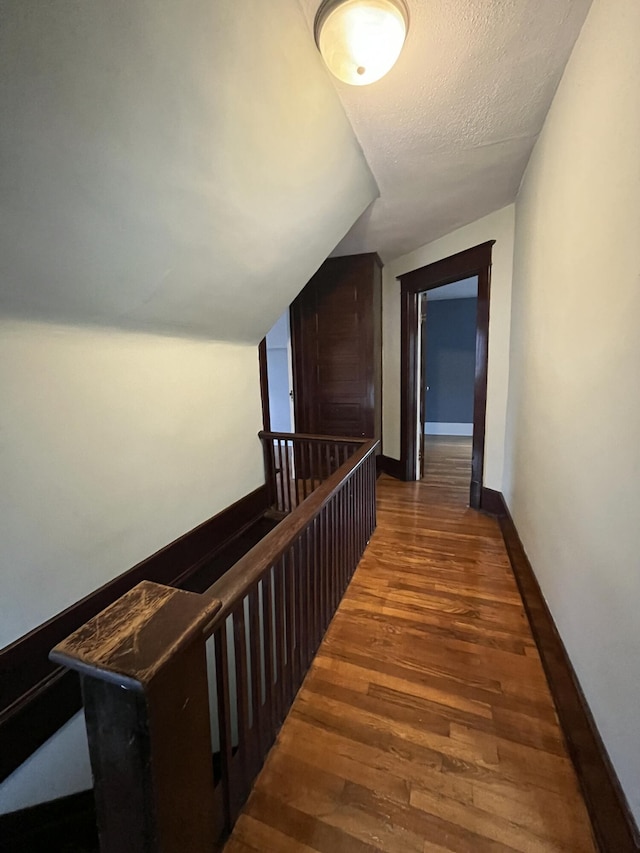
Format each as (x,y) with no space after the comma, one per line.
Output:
(361,40)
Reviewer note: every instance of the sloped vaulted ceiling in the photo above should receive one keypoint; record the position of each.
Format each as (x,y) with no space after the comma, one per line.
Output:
(174,165)
(448,132)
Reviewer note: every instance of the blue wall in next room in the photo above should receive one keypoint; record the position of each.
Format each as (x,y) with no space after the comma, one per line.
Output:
(451,360)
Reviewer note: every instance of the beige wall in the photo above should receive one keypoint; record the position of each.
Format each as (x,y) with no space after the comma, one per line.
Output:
(112,444)
(497,226)
(572,466)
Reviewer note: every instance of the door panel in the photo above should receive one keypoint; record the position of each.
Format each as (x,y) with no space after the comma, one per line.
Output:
(336,349)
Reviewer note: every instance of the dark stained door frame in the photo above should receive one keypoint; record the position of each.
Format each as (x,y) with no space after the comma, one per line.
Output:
(264,385)
(422,302)
(471,262)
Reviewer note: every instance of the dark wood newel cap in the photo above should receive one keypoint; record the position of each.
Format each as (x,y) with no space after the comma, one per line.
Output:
(131,640)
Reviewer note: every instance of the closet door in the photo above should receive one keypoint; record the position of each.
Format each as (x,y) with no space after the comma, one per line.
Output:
(335,335)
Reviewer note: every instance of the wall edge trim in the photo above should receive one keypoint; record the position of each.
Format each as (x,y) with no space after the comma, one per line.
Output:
(613,823)
(42,825)
(44,696)
(390,466)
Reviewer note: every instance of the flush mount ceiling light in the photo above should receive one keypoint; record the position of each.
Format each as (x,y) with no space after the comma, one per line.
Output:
(361,40)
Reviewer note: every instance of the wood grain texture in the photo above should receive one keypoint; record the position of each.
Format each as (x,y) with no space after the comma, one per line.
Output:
(426,722)
(336,340)
(143,672)
(447,461)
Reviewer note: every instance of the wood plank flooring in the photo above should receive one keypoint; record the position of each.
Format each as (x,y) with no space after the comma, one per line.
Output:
(447,461)
(425,723)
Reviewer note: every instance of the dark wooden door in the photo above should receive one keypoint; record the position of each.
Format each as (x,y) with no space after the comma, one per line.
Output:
(336,343)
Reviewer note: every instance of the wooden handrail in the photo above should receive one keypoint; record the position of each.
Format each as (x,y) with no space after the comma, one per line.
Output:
(142,667)
(336,439)
(146,678)
(234,585)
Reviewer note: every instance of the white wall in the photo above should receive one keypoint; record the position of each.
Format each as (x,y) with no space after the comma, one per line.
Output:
(497,226)
(112,444)
(572,467)
(163,159)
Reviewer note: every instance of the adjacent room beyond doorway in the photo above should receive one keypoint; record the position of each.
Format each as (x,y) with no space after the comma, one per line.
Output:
(448,375)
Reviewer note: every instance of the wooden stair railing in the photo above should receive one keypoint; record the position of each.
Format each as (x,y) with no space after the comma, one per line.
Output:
(295,464)
(171,677)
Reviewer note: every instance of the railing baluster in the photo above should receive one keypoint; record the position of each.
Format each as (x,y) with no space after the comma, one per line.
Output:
(308,563)
(269,472)
(333,555)
(242,690)
(256,688)
(312,484)
(326,561)
(321,472)
(287,475)
(355,521)
(299,601)
(224,721)
(313,547)
(290,584)
(280,629)
(323,574)
(345,536)
(268,727)
(267,616)
(303,468)
(319,582)
(359,511)
(281,503)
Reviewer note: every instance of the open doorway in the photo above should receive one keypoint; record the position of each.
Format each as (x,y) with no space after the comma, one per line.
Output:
(474,262)
(447,382)
(276,378)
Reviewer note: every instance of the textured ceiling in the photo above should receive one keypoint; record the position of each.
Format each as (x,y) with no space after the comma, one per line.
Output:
(176,166)
(448,132)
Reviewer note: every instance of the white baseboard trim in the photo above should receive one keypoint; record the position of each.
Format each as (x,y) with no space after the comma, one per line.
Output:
(448,429)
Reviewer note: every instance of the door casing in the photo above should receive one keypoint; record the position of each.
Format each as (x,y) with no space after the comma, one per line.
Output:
(475,261)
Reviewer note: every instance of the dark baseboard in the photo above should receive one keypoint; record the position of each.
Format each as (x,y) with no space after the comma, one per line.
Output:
(492,502)
(37,697)
(67,824)
(613,824)
(392,467)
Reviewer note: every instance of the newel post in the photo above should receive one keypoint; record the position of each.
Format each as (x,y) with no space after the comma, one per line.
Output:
(142,667)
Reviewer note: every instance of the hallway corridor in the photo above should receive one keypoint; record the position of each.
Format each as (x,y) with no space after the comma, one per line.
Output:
(425,723)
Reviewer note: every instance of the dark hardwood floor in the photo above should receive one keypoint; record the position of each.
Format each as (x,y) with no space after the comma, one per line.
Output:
(425,723)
